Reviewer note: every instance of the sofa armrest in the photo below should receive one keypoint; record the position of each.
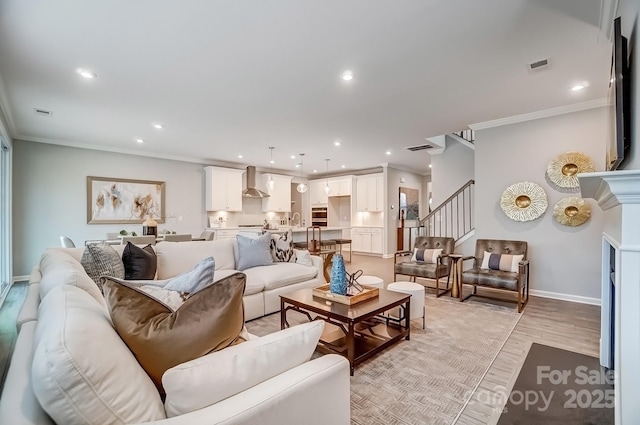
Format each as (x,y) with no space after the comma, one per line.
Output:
(318,263)
(289,398)
(35,276)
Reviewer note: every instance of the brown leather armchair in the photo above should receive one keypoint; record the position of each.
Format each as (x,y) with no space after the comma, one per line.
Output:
(517,282)
(422,269)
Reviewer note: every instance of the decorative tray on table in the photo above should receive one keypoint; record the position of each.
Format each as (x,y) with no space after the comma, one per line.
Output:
(367,293)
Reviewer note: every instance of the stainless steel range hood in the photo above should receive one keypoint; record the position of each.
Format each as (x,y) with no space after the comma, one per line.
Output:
(251,191)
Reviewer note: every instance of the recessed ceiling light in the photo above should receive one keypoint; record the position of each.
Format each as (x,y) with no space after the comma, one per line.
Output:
(139,140)
(347,76)
(297,165)
(344,166)
(240,156)
(293,157)
(388,152)
(429,165)
(577,87)
(86,74)
(272,162)
(315,171)
(158,126)
(336,143)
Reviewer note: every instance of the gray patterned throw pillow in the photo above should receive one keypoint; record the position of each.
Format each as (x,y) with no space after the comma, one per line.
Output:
(282,247)
(102,260)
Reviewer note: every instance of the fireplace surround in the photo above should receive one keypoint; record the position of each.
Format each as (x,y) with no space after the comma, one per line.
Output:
(618,194)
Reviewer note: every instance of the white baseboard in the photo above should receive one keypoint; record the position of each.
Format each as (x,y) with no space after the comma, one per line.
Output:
(388,256)
(24,278)
(565,297)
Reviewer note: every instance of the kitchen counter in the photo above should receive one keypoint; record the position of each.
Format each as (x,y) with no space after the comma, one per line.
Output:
(278,230)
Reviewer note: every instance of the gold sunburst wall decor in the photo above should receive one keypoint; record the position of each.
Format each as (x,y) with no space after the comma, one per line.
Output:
(572,211)
(524,201)
(563,170)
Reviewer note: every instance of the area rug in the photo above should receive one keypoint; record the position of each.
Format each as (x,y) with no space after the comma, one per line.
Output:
(428,379)
(560,387)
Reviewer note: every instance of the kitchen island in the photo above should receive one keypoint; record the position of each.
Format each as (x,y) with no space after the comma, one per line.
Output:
(299,233)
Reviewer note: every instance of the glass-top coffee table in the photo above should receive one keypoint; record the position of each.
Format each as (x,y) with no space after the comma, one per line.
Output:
(365,331)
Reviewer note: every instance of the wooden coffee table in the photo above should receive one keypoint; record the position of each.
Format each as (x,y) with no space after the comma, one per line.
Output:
(365,331)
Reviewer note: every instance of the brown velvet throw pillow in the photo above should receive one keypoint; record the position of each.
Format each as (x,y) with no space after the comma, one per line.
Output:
(161,338)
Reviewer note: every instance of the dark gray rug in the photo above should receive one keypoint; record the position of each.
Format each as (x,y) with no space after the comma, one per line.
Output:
(560,387)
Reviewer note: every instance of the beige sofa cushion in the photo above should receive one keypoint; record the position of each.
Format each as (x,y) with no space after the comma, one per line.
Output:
(207,380)
(61,269)
(82,372)
(279,275)
(176,258)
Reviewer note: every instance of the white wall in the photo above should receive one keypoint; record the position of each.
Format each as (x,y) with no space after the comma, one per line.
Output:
(563,259)
(629,11)
(411,180)
(450,170)
(50,195)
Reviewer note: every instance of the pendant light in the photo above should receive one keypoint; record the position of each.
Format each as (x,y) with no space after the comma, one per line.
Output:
(302,187)
(327,189)
(271,184)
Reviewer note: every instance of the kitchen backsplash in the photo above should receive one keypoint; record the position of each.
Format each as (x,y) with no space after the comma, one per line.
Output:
(251,214)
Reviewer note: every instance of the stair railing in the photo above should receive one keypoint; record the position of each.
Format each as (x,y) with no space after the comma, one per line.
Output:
(452,218)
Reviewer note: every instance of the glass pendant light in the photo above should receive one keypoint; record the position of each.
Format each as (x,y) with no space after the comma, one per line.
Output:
(271,184)
(327,189)
(302,187)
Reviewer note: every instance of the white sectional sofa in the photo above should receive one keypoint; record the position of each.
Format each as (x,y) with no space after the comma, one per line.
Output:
(313,392)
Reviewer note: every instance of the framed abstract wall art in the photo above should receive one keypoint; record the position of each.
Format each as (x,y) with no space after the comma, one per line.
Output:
(115,200)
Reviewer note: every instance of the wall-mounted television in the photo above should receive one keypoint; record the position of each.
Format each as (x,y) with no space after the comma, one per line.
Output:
(619,101)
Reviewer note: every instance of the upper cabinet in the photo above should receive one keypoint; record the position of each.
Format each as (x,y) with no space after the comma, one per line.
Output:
(369,193)
(317,195)
(340,186)
(223,189)
(280,197)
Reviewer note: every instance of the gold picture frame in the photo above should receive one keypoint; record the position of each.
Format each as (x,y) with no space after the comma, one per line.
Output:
(124,201)
(572,211)
(524,201)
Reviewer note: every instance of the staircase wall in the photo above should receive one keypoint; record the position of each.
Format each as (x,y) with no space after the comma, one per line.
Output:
(450,170)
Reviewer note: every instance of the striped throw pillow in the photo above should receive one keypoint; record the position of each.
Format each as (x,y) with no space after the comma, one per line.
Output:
(504,262)
(426,255)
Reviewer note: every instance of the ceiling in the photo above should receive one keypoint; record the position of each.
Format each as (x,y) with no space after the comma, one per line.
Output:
(234,77)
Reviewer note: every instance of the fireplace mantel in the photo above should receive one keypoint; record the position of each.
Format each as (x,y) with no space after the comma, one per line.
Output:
(618,194)
(611,188)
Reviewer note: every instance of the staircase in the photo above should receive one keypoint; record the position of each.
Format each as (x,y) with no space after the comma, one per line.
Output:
(454,217)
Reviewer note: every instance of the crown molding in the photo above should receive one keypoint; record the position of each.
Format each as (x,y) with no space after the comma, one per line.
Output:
(7,127)
(611,188)
(608,12)
(545,113)
(125,151)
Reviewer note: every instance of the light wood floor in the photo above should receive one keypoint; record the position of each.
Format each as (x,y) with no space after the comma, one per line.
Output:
(571,326)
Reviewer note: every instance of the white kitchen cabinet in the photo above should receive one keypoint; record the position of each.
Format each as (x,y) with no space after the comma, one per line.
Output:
(340,187)
(317,195)
(223,189)
(280,197)
(367,239)
(369,193)
(376,241)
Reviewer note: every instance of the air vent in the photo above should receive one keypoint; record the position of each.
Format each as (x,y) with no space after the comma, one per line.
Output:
(420,148)
(42,112)
(540,65)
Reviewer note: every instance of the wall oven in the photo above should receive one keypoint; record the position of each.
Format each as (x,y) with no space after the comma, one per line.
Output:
(319,216)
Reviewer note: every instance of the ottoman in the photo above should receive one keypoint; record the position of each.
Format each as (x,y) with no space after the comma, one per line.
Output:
(371,281)
(417,298)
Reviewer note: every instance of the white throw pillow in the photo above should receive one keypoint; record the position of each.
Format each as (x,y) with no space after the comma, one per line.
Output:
(82,372)
(303,257)
(205,381)
(504,262)
(426,255)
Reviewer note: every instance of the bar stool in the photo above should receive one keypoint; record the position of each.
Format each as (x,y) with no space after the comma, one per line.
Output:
(341,242)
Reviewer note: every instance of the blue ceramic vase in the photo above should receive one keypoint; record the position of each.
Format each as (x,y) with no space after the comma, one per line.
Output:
(338,284)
